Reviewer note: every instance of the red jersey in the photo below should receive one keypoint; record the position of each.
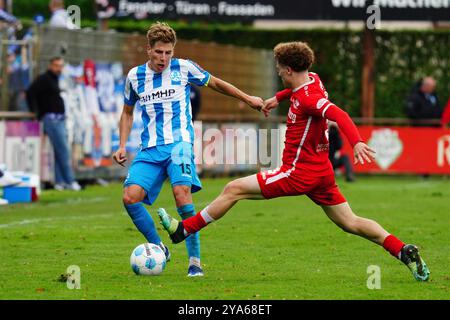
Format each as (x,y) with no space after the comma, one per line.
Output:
(306,142)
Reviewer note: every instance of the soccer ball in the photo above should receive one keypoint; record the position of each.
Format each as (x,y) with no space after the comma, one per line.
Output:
(148,259)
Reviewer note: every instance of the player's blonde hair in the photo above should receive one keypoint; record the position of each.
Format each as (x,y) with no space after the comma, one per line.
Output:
(296,55)
(161,31)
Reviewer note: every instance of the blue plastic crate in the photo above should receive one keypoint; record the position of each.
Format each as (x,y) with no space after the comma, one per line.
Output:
(19,194)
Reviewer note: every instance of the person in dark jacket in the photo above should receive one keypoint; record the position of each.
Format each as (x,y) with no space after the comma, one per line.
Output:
(44,99)
(337,159)
(423,103)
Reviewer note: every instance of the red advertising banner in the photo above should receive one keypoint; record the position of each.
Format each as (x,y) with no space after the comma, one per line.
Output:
(405,150)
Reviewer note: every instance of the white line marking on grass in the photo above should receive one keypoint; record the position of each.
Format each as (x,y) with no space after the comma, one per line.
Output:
(33,206)
(32,221)
(76,201)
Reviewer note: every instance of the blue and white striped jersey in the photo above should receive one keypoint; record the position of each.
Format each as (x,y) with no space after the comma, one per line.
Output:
(165,100)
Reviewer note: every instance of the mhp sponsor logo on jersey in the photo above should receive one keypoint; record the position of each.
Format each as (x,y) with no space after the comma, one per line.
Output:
(158,95)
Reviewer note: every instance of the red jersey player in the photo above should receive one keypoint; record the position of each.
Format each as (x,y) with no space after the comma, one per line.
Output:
(306,169)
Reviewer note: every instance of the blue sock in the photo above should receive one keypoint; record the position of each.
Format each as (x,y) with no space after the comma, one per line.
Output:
(143,222)
(193,241)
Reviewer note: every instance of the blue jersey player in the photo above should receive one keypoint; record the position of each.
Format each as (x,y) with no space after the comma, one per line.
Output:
(162,87)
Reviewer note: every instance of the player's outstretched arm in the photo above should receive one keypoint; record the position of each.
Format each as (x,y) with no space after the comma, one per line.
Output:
(125,125)
(362,152)
(228,89)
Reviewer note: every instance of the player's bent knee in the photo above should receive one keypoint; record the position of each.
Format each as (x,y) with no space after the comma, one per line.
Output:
(233,189)
(181,191)
(131,198)
(182,195)
(229,188)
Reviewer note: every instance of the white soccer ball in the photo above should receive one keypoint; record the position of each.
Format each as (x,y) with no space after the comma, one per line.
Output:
(148,259)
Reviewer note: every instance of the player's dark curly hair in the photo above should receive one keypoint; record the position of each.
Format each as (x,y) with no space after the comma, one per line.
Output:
(296,55)
(161,31)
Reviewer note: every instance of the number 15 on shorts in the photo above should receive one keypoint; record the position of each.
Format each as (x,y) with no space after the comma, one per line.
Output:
(185,169)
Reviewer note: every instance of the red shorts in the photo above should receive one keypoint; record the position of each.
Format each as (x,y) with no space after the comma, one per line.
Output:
(281,183)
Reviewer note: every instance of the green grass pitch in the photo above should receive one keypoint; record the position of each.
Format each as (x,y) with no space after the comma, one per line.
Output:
(279,249)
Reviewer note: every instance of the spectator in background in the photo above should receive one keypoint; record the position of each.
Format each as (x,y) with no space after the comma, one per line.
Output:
(43,97)
(19,76)
(8,26)
(60,18)
(337,159)
(195,101)
(423,103)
